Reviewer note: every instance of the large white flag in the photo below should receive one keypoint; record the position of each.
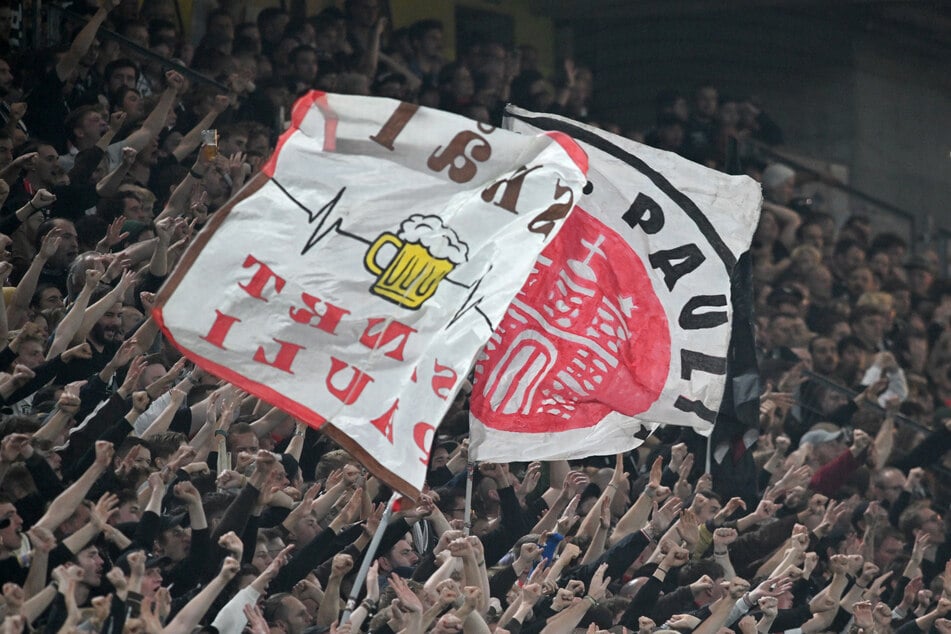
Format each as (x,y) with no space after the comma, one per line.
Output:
(625,320)
(353,281)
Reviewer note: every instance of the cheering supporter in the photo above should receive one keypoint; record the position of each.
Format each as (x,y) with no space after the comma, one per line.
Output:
(138,494)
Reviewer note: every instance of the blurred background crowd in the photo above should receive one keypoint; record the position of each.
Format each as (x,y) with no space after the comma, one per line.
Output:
(141,495)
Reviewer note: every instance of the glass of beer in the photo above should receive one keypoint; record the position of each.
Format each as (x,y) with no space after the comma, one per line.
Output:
(209,149)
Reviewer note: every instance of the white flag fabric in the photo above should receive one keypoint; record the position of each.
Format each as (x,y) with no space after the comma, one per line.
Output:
(624,323)
(354,280)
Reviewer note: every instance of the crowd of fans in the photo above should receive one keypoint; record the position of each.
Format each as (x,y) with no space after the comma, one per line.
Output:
(139,495)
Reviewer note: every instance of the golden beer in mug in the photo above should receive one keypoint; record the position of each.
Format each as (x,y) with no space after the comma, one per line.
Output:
(209,148)
(412,275)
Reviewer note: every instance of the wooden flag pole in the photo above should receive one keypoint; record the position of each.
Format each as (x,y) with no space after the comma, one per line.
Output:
(368,559)
(470,472)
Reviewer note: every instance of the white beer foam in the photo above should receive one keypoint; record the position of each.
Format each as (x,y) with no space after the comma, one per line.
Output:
(441,241)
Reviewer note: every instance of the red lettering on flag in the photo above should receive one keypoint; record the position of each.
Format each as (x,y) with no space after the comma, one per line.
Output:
(423,436)
(385,421)
(284,357)
(358,381)
(255,288)
(219,329)
(444,378)
(327,319)
(374,337)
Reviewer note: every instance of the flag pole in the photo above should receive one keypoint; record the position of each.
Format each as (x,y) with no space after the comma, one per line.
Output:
(470,472)
(368,559)
(709,460)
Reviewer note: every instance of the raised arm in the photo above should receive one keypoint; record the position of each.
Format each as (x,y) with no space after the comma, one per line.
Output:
(589,526)
(719,612)
(789,221)
(70,499)
(565,497)
(231,618)
(43,544)
(67,405)
(19,306)
(37,605)
(69,62)
(371,56)
(473,564)
(557,472)
(178,202)
(187,492)
(722,538)
(190,615)
(109,184)
(596,547)
(192,139)
(151,496)
(296,446)
(266,424)
(472,620)
(838,565)
(358,616)
(569,553)
(331,605)
(148,330)
(116,121)
(95,312)
(70,324)
(412,81)
(926,622)
(214,427)
(12,171)
(5,269)
(636,517)
(565,621)
(163,420)
(154,123)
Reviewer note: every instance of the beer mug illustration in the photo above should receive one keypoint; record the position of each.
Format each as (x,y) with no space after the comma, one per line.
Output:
(426,252)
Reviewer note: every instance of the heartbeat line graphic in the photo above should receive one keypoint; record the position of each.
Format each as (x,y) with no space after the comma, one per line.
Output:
(320,218)
(320,232)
